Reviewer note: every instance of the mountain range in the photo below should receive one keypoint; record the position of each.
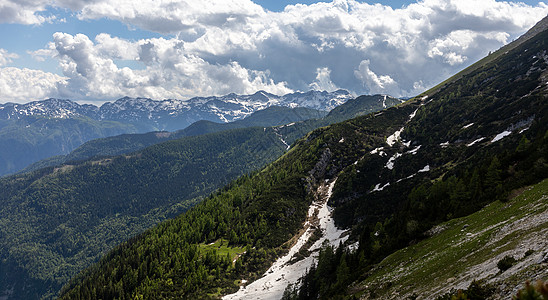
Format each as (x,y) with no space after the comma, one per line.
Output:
(170,115)
(37,130)
(57,220)
(346,204)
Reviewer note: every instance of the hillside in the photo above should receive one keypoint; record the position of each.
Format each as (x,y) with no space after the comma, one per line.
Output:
(126,143)
(33,138)
(40,129)
(468,249)
(395,175)
(56,221)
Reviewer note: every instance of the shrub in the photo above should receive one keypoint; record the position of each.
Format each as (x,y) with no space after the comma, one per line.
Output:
(506,263)
(479,290)
(529,252)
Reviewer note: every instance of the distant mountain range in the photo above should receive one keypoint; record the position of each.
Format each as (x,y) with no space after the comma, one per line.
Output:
(150,115)
(41,129)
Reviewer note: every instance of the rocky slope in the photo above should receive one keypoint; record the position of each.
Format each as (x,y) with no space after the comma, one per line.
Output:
(468,249)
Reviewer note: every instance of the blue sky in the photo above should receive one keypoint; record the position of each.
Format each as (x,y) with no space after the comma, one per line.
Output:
(102,50)
(280,5)
(274,5)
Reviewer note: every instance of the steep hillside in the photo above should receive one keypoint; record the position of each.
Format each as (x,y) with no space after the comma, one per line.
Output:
(396,174)
(57,220)
(470,144)
(469,249)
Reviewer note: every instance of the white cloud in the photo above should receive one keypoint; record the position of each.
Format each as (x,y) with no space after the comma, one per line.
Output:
(218,46)
(169,72)
(174,16)
(6,57)
(323,81)
(376,84)
(25,12)
(24,85)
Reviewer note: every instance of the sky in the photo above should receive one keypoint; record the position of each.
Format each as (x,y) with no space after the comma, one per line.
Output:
(94,51)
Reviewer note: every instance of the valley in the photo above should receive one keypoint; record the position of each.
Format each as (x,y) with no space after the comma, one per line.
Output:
(73,213)
(306,195)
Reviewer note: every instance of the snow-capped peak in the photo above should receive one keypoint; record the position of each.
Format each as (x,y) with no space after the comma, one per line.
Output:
(226,108)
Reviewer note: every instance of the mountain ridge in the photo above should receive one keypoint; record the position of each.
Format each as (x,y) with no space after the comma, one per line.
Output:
(226,108)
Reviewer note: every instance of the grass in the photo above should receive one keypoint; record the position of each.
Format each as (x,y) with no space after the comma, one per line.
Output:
(450,256)
(222,248)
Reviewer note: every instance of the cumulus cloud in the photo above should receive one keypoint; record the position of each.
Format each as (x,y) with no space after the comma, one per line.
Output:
(169,72)
(323,81)
(174,16)
(221,46)
(24,85)
(25,12)
(376,83)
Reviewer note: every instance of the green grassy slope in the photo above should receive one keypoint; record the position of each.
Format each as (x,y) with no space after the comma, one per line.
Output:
(467,249)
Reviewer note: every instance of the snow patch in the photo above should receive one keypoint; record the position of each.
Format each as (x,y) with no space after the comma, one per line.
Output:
(281,138)
(445,144)
(287,125)
(391,140)
(378,187)
(354,246)
(412,115)
(390,163)
(414,151)
(501,135)
(475,141)
(378,151)
(273,283)
(521,131)
(468,125)
(425,169)
(384,102)
(408,177)
(341,140)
